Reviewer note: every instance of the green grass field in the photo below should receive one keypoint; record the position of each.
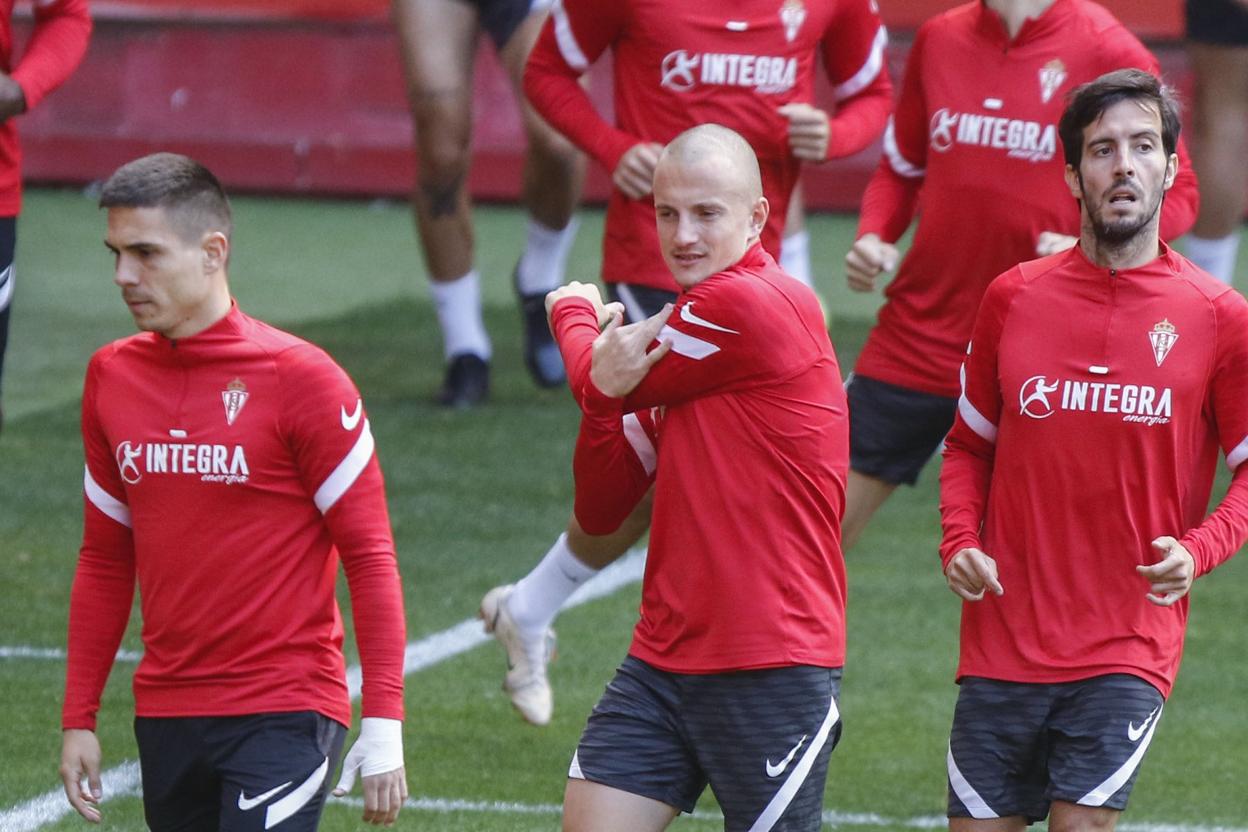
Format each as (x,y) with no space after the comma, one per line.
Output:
(475,499)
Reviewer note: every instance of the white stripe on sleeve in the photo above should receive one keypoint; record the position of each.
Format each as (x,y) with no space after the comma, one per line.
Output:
(869,70)
(966,792)
(637,438)
(568,47)
(976,420)
(686,344)
(1237,455)
(352,465)
(785,794)
(895,160)
(105,502)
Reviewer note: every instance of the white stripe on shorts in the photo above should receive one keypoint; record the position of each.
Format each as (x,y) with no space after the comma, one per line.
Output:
(966,792)
(1115,781)
(574,770)
(788,790)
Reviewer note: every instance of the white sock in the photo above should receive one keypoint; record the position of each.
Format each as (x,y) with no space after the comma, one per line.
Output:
(538,596)
(545,257)
(459,312)
(795,256)
(1216,256)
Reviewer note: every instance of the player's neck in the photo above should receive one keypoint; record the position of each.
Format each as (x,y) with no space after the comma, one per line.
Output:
(1014,13)
(1140,250)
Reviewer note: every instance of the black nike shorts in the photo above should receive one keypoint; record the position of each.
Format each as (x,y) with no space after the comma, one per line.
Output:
(501,18)
(760,738)
(640,302)
(893,431)
(237,773)
(1217,22)
(1016,747)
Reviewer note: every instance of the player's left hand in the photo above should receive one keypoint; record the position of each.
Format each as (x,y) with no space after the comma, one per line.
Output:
(1051,242)
(577,289)
(1171,577)
(810,131)
(378,755)
(620,359)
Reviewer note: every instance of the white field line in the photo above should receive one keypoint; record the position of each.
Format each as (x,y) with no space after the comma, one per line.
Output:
(834,820)
(22,651)
(124,780)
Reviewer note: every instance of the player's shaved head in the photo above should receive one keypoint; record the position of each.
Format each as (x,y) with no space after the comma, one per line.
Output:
(708,202)
(714,144)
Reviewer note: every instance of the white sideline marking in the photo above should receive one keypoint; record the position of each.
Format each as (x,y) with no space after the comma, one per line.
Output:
(124,780)
(22,651)
(836,820)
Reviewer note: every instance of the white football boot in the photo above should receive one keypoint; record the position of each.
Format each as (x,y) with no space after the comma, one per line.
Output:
(526,681)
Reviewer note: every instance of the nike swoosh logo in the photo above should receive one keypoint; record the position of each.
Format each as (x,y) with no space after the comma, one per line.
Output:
(1134,733)
(778,769)
(686,315)
(246,803)
(349,422)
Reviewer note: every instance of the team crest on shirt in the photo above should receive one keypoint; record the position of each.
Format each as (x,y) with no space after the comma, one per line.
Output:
(792,15)
(234,397)
(1052,75)
(1162,337)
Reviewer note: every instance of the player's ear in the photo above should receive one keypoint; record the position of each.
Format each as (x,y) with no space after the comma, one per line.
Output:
(758,216)
(1074,181)
(1172,170)
(216,251)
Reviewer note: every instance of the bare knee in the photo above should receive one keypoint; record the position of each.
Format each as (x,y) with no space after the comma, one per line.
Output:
(1070,817)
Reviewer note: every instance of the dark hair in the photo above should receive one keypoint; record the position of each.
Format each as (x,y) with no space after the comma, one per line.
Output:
(1087,102)
(193,197)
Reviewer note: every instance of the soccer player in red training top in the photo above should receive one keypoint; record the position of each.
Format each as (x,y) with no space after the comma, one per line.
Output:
(57,44)
(1105,379)
(229,467)
(749,65)
(734,669)
(973,144)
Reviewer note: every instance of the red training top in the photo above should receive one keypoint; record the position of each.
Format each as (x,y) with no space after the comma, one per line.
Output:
(973,147)
(745,568)
(1095,404)
(228,472)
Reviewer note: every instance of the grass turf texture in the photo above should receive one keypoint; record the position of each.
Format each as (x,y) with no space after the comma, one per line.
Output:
(475,499)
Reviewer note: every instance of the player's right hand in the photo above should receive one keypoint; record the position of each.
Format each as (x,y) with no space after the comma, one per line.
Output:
(868,257)
(80,772)
(377,755)
(634,175)
(620,358)
(971,573)
(586,291)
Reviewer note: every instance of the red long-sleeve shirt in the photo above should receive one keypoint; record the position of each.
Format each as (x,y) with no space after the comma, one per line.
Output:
(744,568)
(973,148)
(1095,404)
(227,473)
(680,64)
(57,44)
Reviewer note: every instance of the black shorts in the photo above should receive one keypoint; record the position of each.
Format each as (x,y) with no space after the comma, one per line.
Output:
(8,239)
(893,431)
(760,738)
(1217,22)
(1016,747)
(501,18)
(237,774)
(640,302)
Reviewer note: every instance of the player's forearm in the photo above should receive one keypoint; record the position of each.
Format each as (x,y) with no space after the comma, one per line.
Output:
(965,475)
(610,479)
(57,45)
(1224,531)
(556,93)
(860,120)
(575,326)
(99,609)
(888,204)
